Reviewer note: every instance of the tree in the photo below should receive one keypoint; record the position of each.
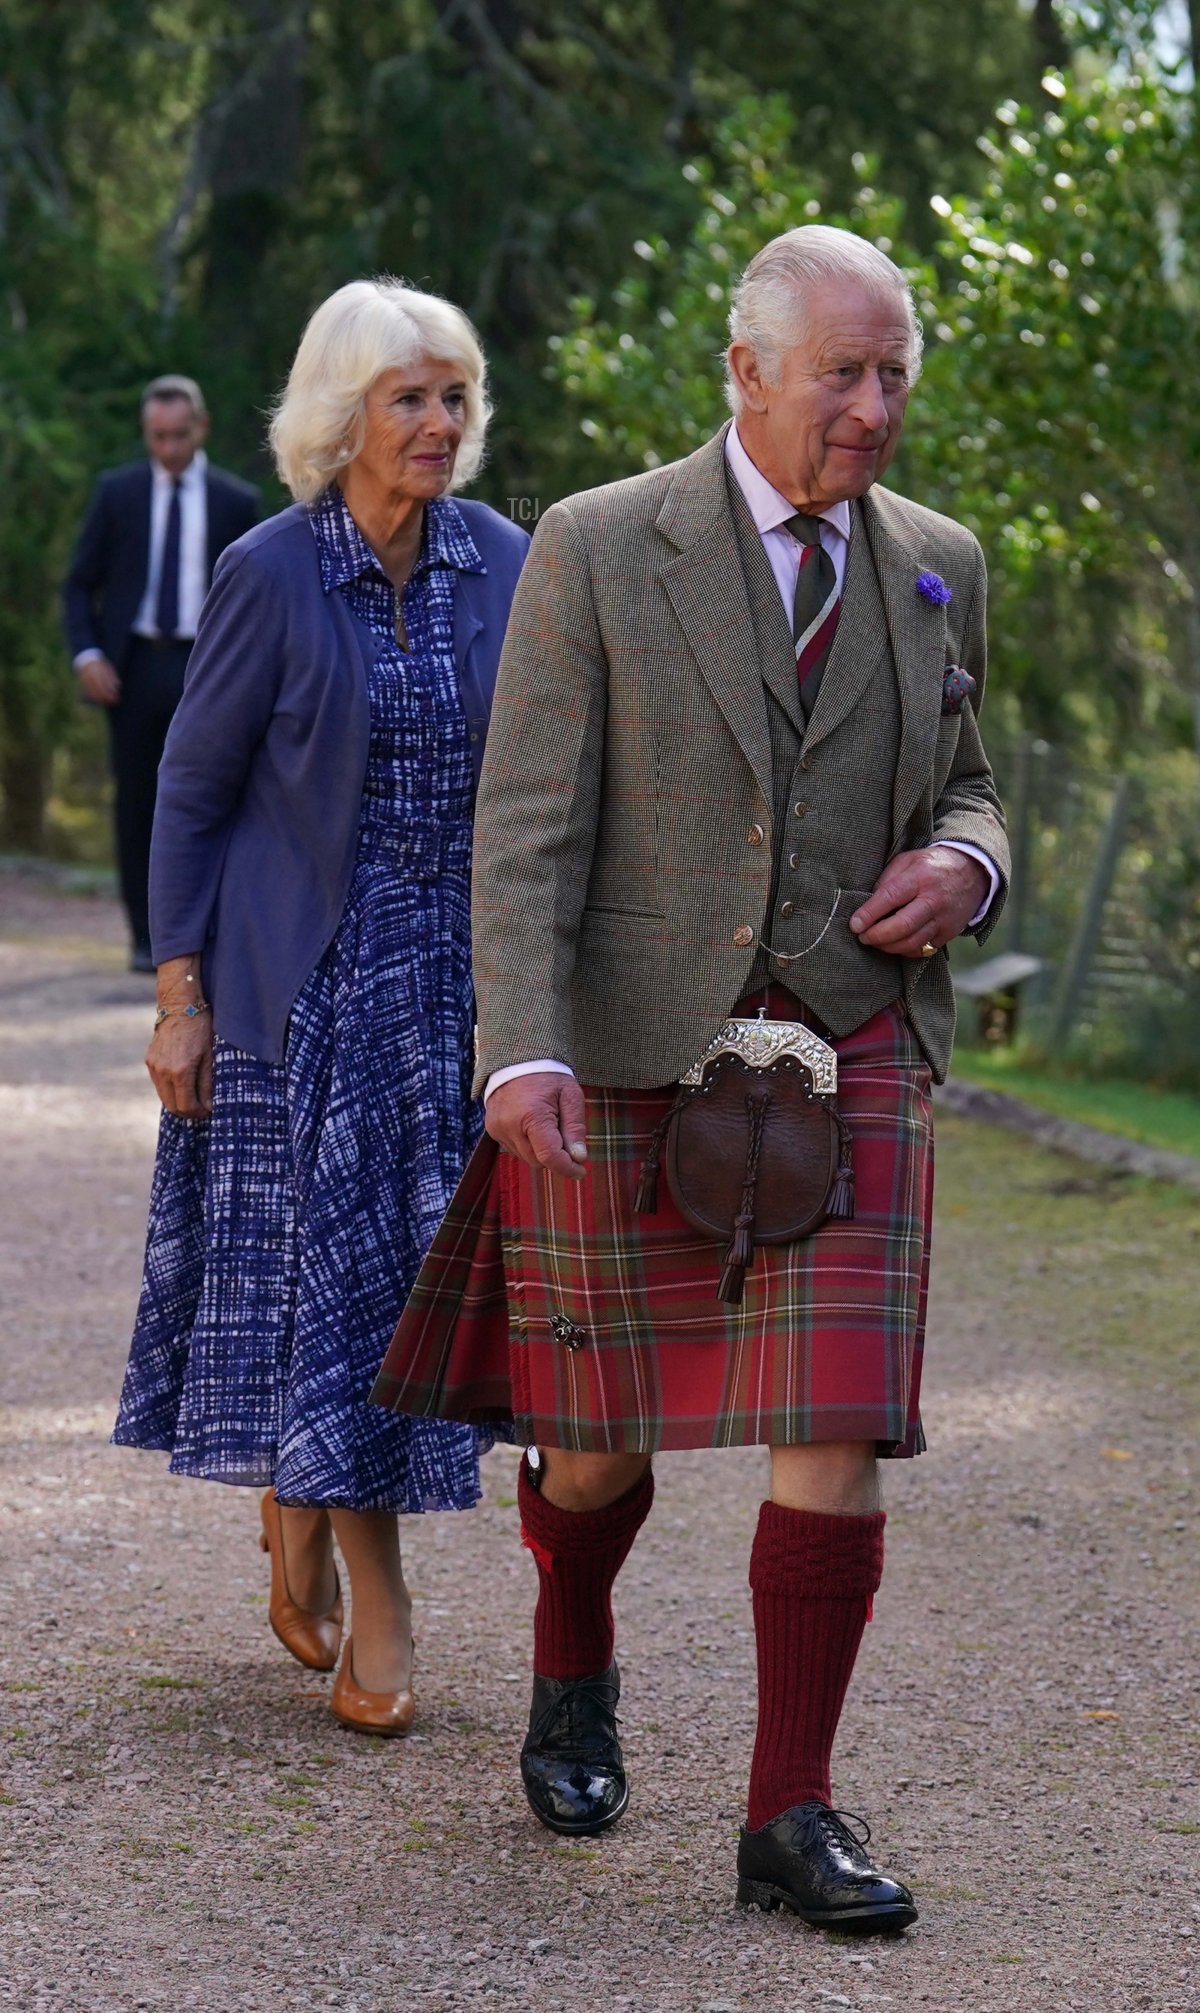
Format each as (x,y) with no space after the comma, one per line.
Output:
(1069,330)
(1052,418)
(181,181)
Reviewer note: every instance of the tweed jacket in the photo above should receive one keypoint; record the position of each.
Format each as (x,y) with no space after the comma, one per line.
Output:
(630,831)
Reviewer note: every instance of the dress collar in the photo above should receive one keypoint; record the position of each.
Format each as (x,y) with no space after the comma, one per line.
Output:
(345,555)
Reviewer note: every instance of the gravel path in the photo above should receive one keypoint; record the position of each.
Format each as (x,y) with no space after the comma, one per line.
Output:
(183,1826)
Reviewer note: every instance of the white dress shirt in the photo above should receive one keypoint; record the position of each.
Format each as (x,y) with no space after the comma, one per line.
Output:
(193,551)
(770,512)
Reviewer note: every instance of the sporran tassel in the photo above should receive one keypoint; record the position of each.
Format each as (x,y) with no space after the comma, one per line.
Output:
(732,1283)
(841,1195)
(740,1255)
(645,1201)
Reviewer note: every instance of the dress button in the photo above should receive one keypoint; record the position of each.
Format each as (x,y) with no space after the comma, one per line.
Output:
(755,836)
(800,808)
(787,909)
(743,936)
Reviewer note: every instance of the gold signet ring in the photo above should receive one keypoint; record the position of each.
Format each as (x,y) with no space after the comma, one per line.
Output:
(928,950)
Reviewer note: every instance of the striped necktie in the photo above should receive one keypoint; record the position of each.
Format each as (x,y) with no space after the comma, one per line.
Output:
(816,608)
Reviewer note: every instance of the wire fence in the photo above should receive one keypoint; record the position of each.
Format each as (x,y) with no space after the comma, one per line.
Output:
(1106,894)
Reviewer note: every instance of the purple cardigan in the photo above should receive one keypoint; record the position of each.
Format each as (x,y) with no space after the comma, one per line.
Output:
(259,792)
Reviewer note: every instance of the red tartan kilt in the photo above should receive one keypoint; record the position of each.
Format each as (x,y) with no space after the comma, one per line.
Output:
(826,1344)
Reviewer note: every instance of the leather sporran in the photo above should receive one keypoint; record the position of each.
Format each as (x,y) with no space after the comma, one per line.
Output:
(754,1148)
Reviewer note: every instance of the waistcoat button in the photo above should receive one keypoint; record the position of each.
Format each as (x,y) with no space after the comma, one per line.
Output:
(793,859)
(755,836)
(787,909)
(800,808)
(743,936)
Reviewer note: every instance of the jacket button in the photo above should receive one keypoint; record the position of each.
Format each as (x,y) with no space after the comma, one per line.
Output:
(800,808)
(787,909)
(755,836)
(743,936)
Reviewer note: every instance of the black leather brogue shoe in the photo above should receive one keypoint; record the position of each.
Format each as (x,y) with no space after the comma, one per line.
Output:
(571,1763)
(809,1861)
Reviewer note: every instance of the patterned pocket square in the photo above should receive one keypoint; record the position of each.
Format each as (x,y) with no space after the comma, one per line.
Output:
(957,687)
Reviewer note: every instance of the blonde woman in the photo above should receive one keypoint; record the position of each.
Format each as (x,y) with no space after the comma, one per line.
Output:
(309,919)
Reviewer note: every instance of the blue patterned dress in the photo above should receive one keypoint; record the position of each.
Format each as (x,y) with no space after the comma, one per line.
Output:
(286,1230)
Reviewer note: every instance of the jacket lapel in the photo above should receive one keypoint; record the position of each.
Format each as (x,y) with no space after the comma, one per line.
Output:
(140,542)
(772,631)
(917,629)
(212,523)
(706,587)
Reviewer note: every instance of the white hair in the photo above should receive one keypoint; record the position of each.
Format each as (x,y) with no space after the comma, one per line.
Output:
(363,329)
(769,301)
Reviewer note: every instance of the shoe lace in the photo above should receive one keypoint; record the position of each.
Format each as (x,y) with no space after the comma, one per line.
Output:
(576,1724)
(819,1821)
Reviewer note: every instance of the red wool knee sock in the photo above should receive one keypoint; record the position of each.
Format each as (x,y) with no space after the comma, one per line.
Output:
(812,1577)
(578,1554)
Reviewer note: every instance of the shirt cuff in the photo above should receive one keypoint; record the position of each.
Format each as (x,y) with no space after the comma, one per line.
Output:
(499,1076)
(976,853)
(86,657)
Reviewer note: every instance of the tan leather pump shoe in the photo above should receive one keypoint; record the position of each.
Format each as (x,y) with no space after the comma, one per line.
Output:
(389,1712)
(313,1640)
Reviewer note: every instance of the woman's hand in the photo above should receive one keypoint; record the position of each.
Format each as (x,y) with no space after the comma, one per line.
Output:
(179,1057)
(179,1060)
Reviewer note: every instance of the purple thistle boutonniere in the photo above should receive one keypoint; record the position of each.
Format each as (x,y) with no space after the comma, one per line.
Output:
(934,589)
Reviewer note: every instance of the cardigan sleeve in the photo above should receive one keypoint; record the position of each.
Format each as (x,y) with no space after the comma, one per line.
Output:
(229,695)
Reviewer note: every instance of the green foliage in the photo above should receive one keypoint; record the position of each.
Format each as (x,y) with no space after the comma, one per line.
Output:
(648,376)
(181,181)
(1051,417)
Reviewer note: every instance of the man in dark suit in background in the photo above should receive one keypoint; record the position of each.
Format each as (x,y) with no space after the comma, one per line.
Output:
(131,602)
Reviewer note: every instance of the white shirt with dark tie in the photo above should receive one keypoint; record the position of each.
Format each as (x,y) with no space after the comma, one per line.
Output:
(193,551)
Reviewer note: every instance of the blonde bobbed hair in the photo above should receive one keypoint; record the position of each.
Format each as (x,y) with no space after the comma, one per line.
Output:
(362,330)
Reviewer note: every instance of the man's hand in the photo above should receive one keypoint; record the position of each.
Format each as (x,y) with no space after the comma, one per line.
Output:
(921,898)
(543,1120)
(98,681)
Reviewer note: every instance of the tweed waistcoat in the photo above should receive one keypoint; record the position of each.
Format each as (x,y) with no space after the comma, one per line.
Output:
(831,824)
(636,820)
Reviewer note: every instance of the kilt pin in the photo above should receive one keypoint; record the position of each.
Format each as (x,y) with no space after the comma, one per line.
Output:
(676,820)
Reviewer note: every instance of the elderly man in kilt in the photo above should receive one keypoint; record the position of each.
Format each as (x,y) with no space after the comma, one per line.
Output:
(734,765)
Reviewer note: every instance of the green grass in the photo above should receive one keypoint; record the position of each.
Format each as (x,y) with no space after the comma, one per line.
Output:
(1102,1267)
(1166,1118)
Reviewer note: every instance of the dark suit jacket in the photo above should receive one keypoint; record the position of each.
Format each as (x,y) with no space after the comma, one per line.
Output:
(260,789)
(107,577)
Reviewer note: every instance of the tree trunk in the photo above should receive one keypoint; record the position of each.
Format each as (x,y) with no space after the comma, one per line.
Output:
(23,775)
(1053,51)
(252,150)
